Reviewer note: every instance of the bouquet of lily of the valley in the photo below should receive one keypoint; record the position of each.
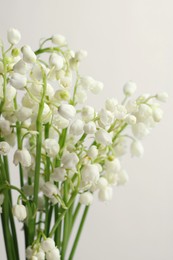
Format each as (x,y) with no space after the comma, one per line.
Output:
(65,151)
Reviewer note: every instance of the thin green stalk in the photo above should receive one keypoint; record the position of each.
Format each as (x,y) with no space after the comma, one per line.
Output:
(64,211)
(66,223)
(78,233)
(13,227)
(9,245)
(39,141)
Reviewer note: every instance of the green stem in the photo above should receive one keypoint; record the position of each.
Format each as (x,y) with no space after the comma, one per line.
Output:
(39,141)
(64,211)
(78,233)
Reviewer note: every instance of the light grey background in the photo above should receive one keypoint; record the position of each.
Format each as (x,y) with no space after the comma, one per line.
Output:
(125,39)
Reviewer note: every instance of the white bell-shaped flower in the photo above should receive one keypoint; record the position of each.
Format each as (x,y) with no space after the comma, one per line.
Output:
(20,67)
(18,81)
(23,157)
(92,152)
(54,254)
(110,104)
(140,130)
(112,165)
(90,128)
(58,174)
(105,194)
(60,122)
(90,173)
(19,211)
(56,61)
(49,189)
(28,54)
(67,111)
(80,55)
(86,198)
(48,244)
(88,113)
(162,96)
(136,149)
(157,114)
(130,119)
(129,88)
(70,160)
(23,113)
(103,137)
(13,36)
(59,39)
(52,147)
(76,127)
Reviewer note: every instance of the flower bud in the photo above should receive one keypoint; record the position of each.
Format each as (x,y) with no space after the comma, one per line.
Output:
(23,114)
(140,130)
(105,194)
(110,104)
(58,39)
(56,61)
(13,36)
(90,128)
(157,114)
(163,96)
(90,173)
(58,174)
(4,148)
(23,157)
(129,88)
(49,189)
(28,54)
(137,149)
(48,244)
(93,152)
(53,254)
(86,198)
(103,137)
(76,127)
(80,55)
(67,111)
(69,161)
(52,147)
(87,113)
(130,119)
(18,81)
(20,67)
(19,211)
(15,52)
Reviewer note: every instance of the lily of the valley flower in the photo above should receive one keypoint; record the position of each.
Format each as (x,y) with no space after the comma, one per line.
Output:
(23,157)
(13,36)
(19,211)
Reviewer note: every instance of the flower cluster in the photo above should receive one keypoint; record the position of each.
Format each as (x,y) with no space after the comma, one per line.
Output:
(65,149)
